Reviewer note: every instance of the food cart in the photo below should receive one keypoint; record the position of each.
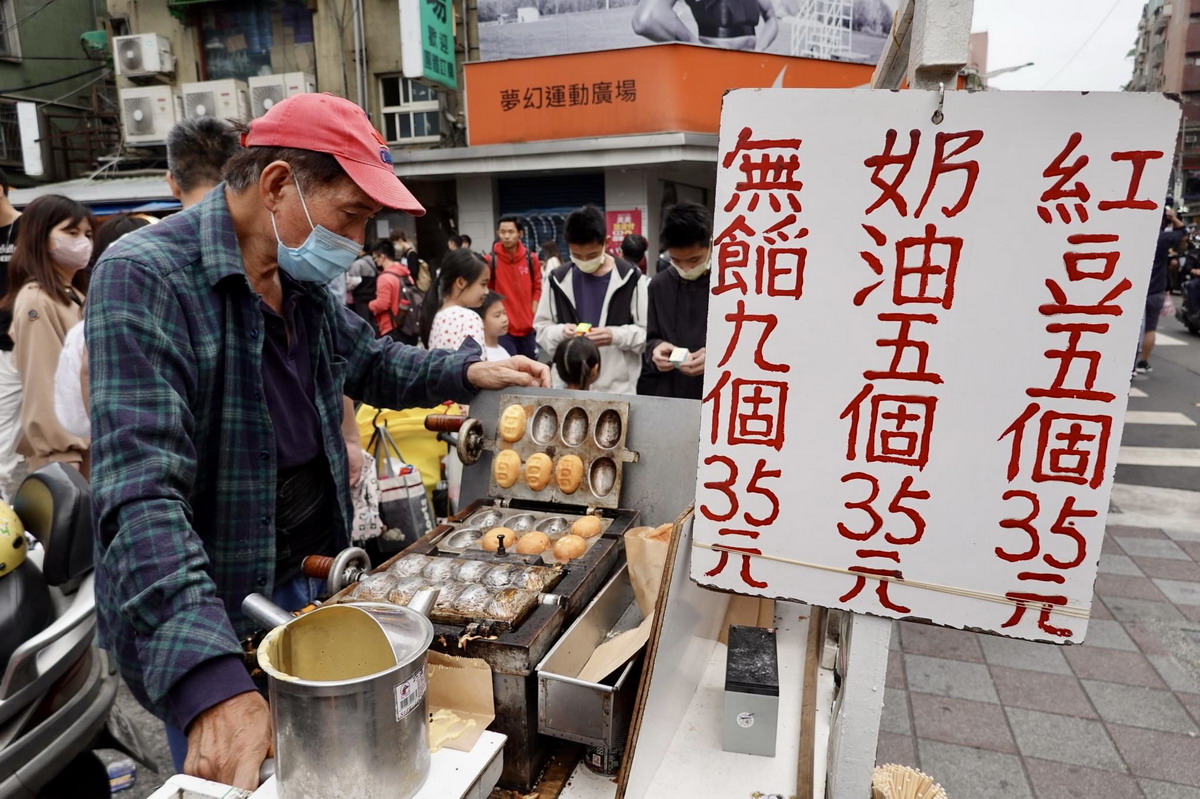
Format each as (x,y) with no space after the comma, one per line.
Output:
(673,683)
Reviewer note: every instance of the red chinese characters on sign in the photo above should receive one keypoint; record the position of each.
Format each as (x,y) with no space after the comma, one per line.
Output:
(903,504)
(898,430)
(1077,366)
(1068,442)
(768,169)
(774,271)
(733,493)
(886,425)
(750,410)
(903,343)
(1065,555)
(759,412)
(1071,447)
(924,271)
(1066,199)
(947,146)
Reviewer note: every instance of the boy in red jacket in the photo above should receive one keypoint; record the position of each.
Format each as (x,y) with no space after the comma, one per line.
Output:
(517,275)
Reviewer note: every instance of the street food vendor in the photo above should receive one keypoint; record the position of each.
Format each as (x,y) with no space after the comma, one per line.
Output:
(218,364)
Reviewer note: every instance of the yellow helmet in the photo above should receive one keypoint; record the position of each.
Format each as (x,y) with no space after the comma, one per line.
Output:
(12,540)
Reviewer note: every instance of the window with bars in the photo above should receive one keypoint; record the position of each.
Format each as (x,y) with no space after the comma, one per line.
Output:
(10,44)
(10,136)
(410,111)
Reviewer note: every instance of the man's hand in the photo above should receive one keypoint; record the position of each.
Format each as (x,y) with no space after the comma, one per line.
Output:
(660,356)
(600,336)
(570,331)
(229,742)
(515,371)
(694,365)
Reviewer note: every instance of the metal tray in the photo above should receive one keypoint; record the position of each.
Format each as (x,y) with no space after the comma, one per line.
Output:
(462,537)
(594,430)
(595,714)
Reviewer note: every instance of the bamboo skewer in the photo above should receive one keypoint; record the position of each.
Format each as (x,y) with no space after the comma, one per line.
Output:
(892,781)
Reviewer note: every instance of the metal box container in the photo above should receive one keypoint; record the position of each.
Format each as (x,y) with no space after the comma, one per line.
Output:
(594,714)
(751,714)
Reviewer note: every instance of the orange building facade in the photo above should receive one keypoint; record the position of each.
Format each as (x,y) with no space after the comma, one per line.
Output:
(631,131)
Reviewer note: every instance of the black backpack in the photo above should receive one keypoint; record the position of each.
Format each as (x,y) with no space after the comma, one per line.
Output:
(407,321)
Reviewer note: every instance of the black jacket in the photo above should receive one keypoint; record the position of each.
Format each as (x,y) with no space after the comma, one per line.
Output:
(678,313)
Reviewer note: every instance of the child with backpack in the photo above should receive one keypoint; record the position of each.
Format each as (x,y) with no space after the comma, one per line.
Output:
(449,314)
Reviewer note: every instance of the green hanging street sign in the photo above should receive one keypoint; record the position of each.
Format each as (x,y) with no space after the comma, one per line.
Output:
(427,41)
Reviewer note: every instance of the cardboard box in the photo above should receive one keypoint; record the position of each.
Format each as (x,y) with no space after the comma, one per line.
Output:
(464,686)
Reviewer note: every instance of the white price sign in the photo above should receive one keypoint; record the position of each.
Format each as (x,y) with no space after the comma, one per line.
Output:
(919,346)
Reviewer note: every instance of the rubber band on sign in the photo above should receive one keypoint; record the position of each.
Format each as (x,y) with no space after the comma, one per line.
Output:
(1072,611)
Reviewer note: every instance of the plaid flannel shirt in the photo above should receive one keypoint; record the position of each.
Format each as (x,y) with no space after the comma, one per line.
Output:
(183,449)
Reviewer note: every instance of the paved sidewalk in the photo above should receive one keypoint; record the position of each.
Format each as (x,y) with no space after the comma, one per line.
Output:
(1115,718)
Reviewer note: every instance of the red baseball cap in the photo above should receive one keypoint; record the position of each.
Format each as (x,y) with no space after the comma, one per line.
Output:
(328,124)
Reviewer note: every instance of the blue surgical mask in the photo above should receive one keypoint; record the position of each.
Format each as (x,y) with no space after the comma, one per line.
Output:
(323,256)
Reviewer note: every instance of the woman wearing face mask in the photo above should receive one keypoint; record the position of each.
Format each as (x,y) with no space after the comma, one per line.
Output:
(46,290)
(678,316)
(71,376)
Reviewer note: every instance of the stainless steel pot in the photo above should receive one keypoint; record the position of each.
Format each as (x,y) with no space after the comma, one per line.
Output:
(347,693)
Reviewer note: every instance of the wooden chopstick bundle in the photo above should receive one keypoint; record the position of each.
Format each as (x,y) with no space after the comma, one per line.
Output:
(892,781)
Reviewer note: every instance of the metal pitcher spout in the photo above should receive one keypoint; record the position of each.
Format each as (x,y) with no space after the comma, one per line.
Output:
(423,601)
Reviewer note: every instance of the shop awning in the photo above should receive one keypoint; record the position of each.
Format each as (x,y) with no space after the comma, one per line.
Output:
(562,154)
(107,195)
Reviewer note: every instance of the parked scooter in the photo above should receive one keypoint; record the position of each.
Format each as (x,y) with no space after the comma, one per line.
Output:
(57,689)
(1187,311)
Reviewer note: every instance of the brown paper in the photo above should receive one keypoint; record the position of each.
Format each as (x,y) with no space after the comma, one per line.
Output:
(647,558)
(646,551)
(612,655)
(464,686)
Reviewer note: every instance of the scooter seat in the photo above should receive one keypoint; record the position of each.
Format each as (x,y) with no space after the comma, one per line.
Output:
(55,504)
(26,608)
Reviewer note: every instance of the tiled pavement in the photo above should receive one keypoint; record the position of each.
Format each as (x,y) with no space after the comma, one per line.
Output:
(1115,718)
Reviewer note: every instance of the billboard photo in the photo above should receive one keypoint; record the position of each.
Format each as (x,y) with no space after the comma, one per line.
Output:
(838,30)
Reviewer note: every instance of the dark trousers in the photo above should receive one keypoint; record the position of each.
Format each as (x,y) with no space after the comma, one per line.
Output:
(520,345)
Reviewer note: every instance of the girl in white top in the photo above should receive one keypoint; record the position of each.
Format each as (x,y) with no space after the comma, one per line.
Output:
(448,315)
(495,325)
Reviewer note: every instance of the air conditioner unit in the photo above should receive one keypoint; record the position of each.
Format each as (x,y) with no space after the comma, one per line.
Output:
(223,99)
(147,114)
(143,54)
(266,90)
